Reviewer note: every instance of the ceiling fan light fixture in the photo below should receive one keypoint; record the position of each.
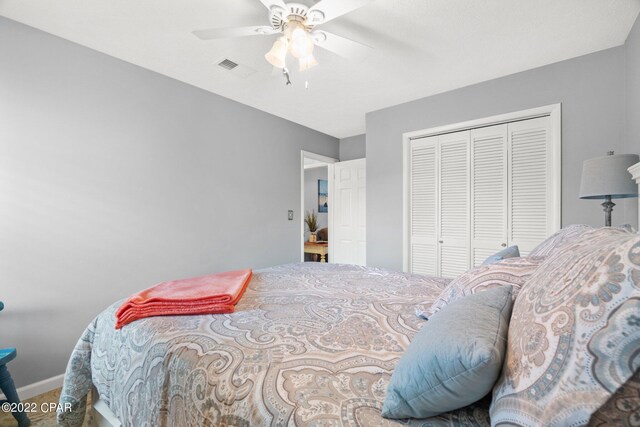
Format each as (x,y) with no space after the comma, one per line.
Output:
(300,41)
(315,17)
(278,54)
(296,25)
(301,45)
(307,62)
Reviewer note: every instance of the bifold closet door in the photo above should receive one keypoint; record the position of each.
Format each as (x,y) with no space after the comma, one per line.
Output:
(439,205)
(472,193)
(423,209)
(531,183)
(489,191)
(453,206)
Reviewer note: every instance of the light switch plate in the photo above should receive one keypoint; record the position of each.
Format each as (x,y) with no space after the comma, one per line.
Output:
(290,215)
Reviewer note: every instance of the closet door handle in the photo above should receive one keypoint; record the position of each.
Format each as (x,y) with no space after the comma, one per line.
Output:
(504,245)
(440,241)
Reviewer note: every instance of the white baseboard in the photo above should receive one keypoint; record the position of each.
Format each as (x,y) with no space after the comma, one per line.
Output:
(35,389)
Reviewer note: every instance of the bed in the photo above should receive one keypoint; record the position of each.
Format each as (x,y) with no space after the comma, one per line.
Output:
(309,345)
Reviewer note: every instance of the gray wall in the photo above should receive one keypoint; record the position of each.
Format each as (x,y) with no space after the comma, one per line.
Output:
(113,178)
(632,134)
(591,90)
(311,177)
(353,147)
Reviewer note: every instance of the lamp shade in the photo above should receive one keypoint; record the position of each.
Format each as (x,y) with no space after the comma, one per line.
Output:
(608,176)
(300,41)
(307,62)
(278,53)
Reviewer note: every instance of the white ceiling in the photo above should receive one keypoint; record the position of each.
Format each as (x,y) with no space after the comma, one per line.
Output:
(422,47)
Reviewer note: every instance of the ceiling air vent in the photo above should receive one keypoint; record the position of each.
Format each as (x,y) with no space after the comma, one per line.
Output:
(235,69)
(227,64)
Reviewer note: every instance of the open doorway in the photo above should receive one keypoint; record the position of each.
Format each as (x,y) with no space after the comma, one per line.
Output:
(316,198)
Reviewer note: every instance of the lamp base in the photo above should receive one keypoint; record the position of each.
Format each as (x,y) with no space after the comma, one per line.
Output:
(608,208)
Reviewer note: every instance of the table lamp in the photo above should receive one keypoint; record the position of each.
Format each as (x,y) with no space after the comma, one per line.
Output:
(607,178)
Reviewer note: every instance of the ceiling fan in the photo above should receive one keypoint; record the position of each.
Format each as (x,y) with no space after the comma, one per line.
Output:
(296,24)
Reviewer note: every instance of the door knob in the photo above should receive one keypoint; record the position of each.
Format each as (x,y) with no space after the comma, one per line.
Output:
(440,241)
(504,245)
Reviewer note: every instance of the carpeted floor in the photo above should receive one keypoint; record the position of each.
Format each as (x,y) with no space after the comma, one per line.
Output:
(39,418)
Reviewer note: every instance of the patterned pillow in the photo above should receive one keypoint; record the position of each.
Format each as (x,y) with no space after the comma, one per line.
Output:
(623,408)
(510,271)
(566,235)
(574,336)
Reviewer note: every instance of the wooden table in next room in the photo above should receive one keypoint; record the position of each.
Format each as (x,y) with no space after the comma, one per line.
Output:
(317,248)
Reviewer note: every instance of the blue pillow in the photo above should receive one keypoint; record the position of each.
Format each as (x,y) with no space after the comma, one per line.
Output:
(454,360)
(510,252)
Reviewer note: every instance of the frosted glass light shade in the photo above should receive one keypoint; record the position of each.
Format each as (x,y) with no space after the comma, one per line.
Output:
(277,56)
(608,176)
(307,62)
(300,41)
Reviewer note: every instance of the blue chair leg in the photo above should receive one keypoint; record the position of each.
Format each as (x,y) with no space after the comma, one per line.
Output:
(9,389)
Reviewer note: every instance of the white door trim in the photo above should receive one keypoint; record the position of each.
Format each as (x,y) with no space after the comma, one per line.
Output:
(329,161)
(554,111)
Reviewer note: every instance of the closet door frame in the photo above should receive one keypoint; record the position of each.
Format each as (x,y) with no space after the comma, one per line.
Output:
(553,111)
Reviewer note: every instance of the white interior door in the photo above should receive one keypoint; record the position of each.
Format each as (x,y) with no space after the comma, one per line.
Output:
(348,238)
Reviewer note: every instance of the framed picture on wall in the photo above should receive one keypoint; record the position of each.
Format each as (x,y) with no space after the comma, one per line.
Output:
(323,200)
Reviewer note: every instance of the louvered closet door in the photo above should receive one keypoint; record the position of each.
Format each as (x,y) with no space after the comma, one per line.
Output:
(453,203)
(530,183)
(488,192)
(423,219)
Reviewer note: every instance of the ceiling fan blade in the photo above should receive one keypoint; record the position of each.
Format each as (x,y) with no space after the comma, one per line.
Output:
(333,8)
(225,33)
(341,46)
(270,3)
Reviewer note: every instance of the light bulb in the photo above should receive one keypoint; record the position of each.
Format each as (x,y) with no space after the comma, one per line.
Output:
(278,54)
(300,41)
(307,62)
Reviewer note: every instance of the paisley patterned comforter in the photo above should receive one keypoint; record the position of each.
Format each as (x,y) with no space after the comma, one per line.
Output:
(309,345)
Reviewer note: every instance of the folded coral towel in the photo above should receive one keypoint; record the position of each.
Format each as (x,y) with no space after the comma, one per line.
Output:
(213,294)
